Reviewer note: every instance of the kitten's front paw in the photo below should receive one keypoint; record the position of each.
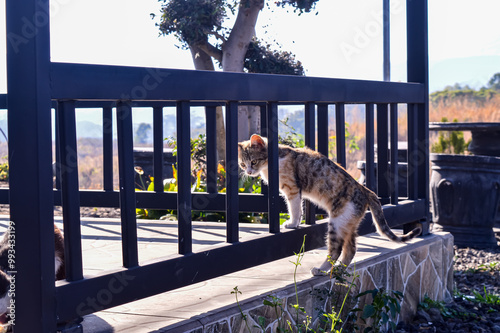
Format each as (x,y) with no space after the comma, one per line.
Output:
(318,272)
(290,225)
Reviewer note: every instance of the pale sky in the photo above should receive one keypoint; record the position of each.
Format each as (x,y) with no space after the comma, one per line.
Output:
(344,40)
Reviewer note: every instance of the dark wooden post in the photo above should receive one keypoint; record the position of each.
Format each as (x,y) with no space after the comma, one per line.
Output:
(30,159)
(418,71)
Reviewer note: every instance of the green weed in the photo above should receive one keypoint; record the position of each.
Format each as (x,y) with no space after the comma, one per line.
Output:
(383,309)
(235,292)
(490,267)
(487,298)
(429,303)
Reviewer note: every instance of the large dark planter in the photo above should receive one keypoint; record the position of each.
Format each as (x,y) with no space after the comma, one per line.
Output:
(465,194)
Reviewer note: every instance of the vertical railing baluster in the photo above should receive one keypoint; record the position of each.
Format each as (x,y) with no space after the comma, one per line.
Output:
(70,190)
(413,156)
(232,171)
(370,146)
(264,132)
(57,168)
(158,148)
(184,178)
(322,124)
(310,125)
(310,141)
(127,184)
(340,129)
(211,144)
(382,152)
(263,120)
(107,148)
(273,168)
(394,153)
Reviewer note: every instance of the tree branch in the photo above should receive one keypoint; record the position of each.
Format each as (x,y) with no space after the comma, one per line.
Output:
(243,30)
(210,50)
(218,35)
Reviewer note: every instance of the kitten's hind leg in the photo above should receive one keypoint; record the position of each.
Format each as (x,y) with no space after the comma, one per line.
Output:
(335,243)
(349,249)
(295,210)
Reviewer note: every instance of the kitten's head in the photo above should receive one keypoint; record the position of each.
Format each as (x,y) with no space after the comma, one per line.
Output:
(252,155)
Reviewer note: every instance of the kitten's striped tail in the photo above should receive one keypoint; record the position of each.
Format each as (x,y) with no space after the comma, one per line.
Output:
(381,223)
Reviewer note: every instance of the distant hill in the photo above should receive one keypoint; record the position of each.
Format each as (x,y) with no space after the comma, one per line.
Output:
(88,129)
(472,71)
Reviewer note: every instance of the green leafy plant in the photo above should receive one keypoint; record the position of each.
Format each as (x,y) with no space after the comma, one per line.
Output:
(383,309)
(332,321)
(275,303)
(487,298)
(342,277)
(490,267)
(298,262)
(350,139)
(446,311)
(290,137)
(450,142)
(4,171)
(143,183)
(235,292)
(429,303)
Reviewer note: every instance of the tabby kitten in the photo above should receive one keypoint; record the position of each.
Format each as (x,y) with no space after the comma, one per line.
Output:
(304,173)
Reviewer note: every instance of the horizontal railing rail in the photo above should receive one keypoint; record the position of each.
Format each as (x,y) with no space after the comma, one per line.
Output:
(100,82)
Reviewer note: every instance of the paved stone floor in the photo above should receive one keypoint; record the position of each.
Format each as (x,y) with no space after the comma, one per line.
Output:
(102,251)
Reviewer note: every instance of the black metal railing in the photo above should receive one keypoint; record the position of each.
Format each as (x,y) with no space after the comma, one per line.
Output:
(117,89)
(259,90)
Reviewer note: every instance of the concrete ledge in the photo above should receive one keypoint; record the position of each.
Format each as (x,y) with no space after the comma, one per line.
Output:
(422,266)
(419,267)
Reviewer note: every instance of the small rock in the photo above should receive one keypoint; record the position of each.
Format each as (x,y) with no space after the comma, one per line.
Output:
(423,316)
(435,315)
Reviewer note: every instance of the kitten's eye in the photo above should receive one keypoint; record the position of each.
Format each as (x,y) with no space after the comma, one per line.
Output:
(243,165)
(254,162)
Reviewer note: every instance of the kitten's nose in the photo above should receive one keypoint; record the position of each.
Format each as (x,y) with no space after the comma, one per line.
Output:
(249,171)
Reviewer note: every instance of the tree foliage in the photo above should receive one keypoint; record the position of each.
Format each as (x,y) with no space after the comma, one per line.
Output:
(494,82)
(299,5)
(192,21)
(143,133)
(457,91)
(201,24)
(262,58)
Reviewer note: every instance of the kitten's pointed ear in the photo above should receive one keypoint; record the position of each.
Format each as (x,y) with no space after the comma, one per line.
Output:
(257,141)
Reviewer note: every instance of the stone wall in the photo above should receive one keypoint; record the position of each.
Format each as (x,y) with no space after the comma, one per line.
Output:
(424,267)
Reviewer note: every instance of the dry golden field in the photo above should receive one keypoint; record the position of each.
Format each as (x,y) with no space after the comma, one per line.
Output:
(464,110)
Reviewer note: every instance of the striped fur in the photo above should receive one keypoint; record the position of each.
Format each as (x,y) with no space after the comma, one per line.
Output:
(304,173)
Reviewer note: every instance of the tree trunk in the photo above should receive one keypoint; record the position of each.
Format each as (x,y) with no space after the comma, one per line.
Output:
(235,48)
(248,121)
(233,58)
(203,61)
